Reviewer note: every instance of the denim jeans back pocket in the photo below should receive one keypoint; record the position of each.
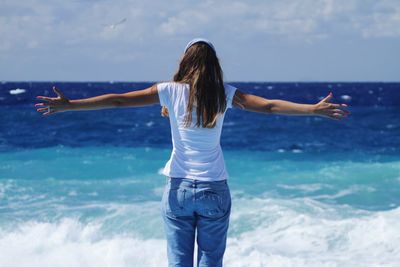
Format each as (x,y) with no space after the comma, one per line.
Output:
(214,203)
(174,201)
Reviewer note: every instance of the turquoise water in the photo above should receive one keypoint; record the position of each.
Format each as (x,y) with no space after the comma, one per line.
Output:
(289,209)
(84,188)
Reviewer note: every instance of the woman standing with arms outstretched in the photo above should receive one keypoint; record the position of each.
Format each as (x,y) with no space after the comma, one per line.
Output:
(196,196)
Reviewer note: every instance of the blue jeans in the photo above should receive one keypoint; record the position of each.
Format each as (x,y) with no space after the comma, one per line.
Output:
(188,205)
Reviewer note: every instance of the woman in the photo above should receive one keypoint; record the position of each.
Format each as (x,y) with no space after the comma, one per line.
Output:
(196,195)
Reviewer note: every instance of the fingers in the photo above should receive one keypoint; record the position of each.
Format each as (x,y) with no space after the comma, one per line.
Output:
(337,112)
(333,110)
(52,103)
(341,111)
(338,116)
(329,97)
(58,92)
(335,117)
(42,107)
(332,105)
(48,113)
(52,99)
(45,109)
(45,98)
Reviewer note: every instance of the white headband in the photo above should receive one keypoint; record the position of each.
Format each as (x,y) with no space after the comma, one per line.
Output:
(197,40)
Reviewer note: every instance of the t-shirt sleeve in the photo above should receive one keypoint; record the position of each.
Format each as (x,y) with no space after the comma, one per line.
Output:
(230,92)
(163,94)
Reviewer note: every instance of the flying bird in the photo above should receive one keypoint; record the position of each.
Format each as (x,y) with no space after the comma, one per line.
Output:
(113,26)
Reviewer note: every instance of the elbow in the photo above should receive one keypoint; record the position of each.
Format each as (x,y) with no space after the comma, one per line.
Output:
(116,100)
(265,108)
(270,107)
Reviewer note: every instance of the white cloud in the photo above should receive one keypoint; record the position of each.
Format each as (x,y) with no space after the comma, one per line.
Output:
(35,23)
(383,22)
(185,23)
(34,30)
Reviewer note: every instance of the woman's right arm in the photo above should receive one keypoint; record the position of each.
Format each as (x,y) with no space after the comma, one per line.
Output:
(145,97)
(323,108)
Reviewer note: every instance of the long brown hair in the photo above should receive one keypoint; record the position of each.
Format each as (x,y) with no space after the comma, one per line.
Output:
(200,68)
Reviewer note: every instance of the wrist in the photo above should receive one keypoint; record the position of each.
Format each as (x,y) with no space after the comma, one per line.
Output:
(69,105)
(312,110)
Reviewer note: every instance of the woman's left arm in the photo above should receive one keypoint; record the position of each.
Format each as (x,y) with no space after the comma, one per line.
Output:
(323,108)
(61,103)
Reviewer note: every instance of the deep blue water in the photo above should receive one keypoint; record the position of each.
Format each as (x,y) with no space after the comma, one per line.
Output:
(373,126)
(306,191)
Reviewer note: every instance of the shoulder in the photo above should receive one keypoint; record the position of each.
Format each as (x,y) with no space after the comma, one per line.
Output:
(229,90)
(162,84)
(170,84)
(169,90)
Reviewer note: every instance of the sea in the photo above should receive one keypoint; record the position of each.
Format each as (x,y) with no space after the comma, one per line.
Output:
(84,188)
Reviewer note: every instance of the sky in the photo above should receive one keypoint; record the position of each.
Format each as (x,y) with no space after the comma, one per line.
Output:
(256,40)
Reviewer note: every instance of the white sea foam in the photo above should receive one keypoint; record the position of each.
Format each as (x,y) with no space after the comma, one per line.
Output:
(347,191)
(390,126)
(307,233)
(263,232)
(70,243)
(229,123)
(150,123)
(6,185)
(72,193)
(303,187)
(17,91)
(345,97)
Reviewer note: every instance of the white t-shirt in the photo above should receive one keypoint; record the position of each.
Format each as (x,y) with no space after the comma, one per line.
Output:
(196,152)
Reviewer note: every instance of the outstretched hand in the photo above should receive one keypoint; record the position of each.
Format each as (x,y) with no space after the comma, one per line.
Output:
(331,110)
(54,104)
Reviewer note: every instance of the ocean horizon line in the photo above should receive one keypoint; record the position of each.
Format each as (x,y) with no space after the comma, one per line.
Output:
(266,82)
